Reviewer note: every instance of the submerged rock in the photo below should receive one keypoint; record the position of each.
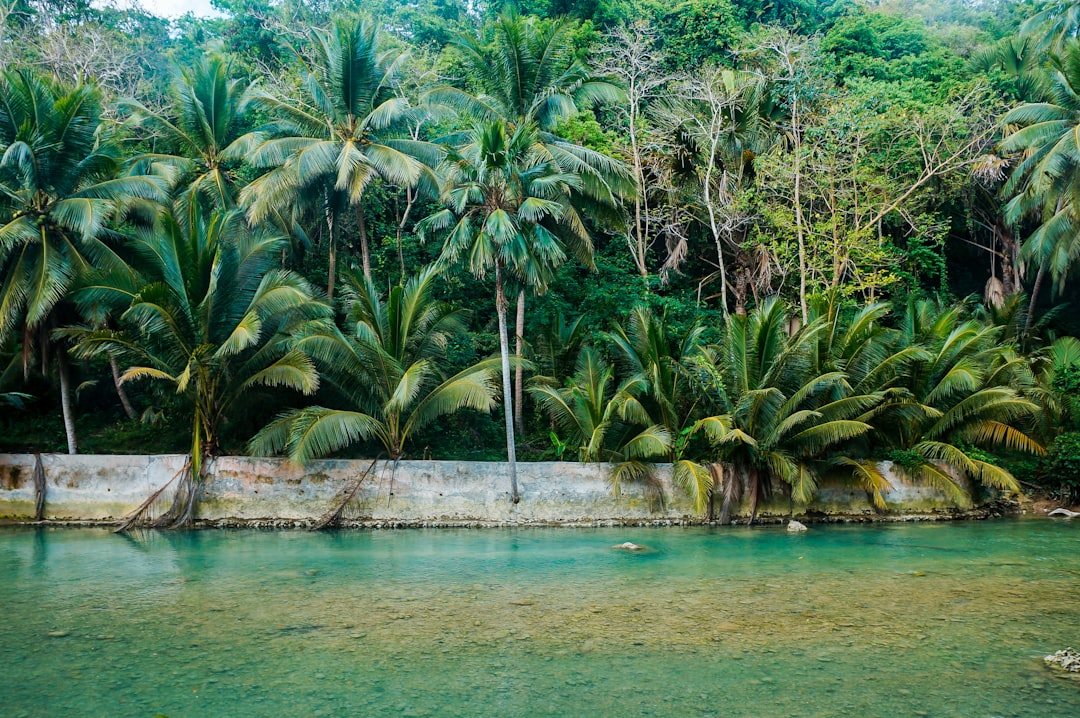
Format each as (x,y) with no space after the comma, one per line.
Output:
(794,525)
(627,546)
(1067,660)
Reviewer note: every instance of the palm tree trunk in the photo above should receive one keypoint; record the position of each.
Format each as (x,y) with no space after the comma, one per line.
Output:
(332,269)
(1034,298)
(519,337)
(362,224)
(410,199)
(65,399)
(120,391)
(504,349)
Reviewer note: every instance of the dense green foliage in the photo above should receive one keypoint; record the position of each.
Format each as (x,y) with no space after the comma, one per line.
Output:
(774,211)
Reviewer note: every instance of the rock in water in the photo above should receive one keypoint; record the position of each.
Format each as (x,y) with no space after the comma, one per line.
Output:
(1064,512)
(794,525)
(629,546)
(1067,660)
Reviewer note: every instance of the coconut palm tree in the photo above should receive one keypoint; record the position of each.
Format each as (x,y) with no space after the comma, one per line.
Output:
(1045,183)
(1055,24)
(59,190)
(508,210)
(529,75)
(344,134)
(201,137)
(390,369)
(958,396)
(604,421)
(558,346)
(778,418)
(653,353)
(214,318)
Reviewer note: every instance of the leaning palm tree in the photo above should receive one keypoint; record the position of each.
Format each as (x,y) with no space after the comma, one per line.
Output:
(215,319)
(346,133)
(58,192)
(390,369)
(508,210)
(199,141)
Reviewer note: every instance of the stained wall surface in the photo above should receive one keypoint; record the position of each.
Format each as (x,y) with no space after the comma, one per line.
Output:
(99,488)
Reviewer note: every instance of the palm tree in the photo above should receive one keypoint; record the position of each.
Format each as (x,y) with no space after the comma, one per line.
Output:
(508,209)
(214,318)
(58,191)
(202,133)
(343,135)
(778,419)
(1052,388)
(1056,23)
(602,421)
(390,368)
(529,75)
(558,346)
(1045,183)
(652,352)
(956,397)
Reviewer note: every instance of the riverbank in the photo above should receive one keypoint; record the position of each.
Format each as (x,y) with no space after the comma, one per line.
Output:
(253,492)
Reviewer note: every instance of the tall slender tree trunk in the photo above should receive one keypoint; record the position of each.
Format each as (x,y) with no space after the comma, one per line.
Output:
(332,269)
(1034,298)
(65,399)
(362,224)
(1008,258)
(519,371)
(501,306)
(410,199)
(714,227)
(640,200)
(797,201)
(120,391)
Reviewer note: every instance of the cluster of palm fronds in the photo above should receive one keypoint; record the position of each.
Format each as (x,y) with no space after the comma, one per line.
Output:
(771,405)
(170,264)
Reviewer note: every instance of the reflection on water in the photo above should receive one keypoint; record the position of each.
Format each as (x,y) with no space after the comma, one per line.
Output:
(889,620)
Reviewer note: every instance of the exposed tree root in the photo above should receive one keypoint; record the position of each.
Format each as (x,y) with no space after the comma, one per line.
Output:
(344,498)
(143,517)
(185,503)
(39,489)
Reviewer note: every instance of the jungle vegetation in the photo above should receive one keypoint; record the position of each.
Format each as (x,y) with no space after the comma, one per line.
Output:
(769,243)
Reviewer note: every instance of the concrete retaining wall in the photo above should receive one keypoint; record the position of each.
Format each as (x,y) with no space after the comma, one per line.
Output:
(102,488)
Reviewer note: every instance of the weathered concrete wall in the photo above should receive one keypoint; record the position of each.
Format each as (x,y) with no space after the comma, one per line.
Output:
(109,487)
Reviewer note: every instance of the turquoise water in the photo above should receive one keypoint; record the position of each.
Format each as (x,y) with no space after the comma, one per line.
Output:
(886,620)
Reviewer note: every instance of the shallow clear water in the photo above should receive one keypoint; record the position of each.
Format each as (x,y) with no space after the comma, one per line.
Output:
(886,620)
